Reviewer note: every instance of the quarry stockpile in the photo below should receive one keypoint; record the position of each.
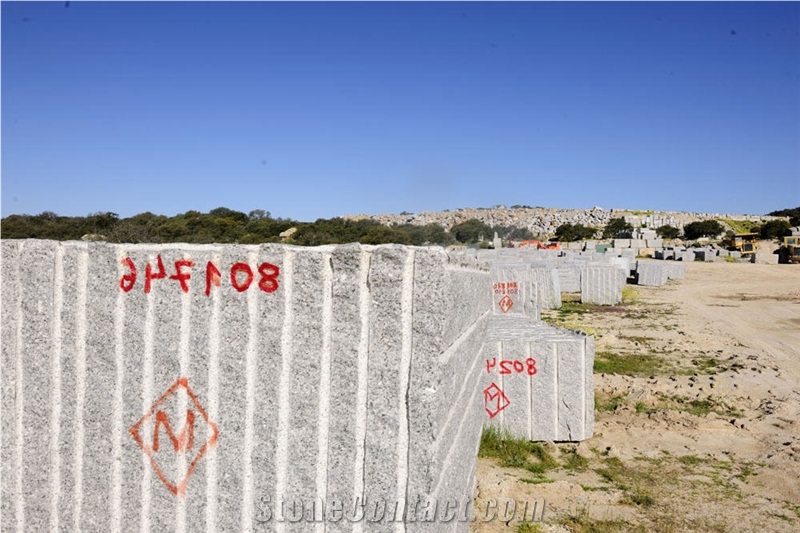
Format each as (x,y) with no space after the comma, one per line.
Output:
(199,387)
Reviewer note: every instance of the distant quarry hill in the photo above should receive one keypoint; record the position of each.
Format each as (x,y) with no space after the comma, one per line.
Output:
(545,220)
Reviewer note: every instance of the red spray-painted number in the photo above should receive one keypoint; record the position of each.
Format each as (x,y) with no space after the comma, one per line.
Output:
(511,366)
(241,275)
(127,281)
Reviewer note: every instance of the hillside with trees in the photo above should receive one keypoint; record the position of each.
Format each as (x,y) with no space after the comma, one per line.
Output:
(223,225)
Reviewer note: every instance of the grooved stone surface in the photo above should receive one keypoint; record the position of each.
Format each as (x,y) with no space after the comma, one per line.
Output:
(242,377)
(652,273)
(546,375)
(602,285)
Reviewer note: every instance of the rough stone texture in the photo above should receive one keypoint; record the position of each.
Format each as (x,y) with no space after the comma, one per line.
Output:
(554,403)
(705,255)
(602,285)
(360,374)
(684,255)
(569,278)
(675,270)
(511,289)
(652,273)
(548,290)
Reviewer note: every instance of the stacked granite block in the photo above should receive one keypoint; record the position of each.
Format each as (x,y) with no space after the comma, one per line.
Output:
(705,255)
(675,270)
(569,278)
(545,375)
(548,288)
(652,273)
(195,387)
(602,285)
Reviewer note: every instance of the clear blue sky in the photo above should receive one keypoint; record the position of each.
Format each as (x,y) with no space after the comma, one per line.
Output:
(314,110)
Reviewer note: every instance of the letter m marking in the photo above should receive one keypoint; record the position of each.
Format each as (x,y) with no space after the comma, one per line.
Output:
(180,443)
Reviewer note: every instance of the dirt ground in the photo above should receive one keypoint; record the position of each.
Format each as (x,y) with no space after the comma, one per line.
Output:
(697,419)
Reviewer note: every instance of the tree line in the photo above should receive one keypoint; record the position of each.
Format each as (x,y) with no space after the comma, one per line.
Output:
(223,225)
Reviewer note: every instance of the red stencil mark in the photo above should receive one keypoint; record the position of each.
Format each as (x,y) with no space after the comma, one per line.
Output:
(494,400)
(212,277)
(128,280)
(180,275)
(149,276)
(158,420)
(505,303)
(241,286)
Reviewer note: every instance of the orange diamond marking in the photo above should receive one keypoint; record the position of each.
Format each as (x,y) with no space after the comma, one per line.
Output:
(494,400)
(181,443)
(505,303)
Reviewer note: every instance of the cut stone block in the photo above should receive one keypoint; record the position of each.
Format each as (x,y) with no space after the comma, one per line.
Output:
(194,387)
(652,273)
(542,379)
(602,285)
(569,279)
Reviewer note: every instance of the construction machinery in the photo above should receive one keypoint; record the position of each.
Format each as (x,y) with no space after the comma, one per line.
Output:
(744,243)
(789,252)
(539,245)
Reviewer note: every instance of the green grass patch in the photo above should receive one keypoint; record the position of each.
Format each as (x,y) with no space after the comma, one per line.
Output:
(698,407)
(642,365)
(629,295)
(641,497)
(576,462)
(691,460)
(528,527)
(608,404)
(706,365)
(581,522)
(515,453)
(591,488)
(538,480)
(740,226)
(789,506)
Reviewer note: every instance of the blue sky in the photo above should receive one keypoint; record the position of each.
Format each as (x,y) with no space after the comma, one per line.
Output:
(312,110)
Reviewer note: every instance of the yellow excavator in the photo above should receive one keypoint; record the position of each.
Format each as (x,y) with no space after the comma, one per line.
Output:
(789,252)
(745,243)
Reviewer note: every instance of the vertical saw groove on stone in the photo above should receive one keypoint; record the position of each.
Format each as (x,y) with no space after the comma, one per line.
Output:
(407,322)
(119,352)
(282,449)
(19,407)
(213,406)
(363,377)
(324,383)
(248,493)
(80,370)
(55,393)
(147,398)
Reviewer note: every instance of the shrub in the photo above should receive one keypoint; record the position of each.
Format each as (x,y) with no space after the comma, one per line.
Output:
(704,228)
(616,226)
(668,232)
